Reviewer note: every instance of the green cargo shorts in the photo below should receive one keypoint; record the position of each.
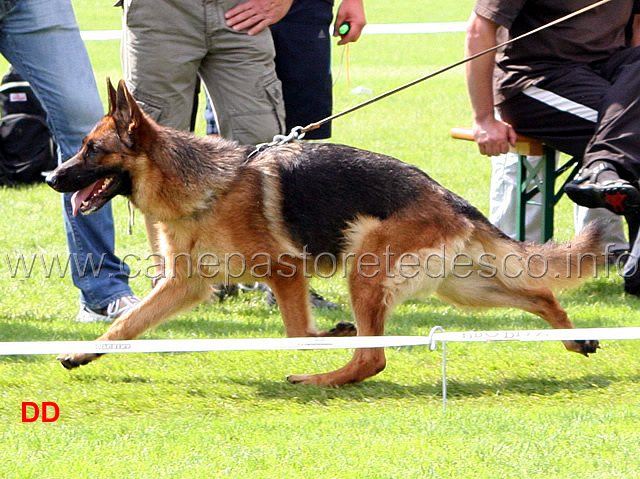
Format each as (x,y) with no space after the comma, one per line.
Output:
(167,43)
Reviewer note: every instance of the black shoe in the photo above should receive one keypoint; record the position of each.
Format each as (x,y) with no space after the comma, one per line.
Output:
(219,292)
(614,258)
(631,268)
(271,298)
(317,301)
(631,275)
(599,186)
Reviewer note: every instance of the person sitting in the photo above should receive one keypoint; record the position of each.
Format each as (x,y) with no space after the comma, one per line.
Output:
(572,86)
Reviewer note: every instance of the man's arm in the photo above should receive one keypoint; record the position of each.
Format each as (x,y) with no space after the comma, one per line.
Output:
(493,136)
(351,12)
(256,15)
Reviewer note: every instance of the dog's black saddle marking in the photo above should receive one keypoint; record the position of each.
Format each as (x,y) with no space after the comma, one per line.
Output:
(328,186)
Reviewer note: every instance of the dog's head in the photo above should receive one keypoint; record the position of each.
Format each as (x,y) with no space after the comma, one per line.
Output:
(104,166)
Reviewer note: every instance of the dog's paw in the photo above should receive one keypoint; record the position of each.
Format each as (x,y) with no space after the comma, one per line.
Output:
(72,361)
(588,347)
(343,328)
(298,378)
(583,347)
(323,380)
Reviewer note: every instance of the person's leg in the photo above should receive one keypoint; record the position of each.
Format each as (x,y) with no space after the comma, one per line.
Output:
(40,38)
(502,198)
(502,211)
(609,177)
(239,75)
(562,112)
(240,78)
(614,139)
(629,266)
(210,119)
(162,46)
(303,65)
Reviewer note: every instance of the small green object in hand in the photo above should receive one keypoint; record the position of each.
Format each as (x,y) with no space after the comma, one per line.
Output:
(343,29)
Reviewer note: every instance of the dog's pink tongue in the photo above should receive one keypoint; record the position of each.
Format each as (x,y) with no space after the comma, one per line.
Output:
(79,196)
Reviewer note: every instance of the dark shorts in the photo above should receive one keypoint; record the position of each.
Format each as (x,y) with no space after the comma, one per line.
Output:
(303,65)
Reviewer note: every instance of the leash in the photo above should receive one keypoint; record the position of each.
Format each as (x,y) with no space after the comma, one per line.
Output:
(298,132)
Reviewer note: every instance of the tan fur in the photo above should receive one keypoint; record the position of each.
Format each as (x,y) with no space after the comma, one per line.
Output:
(426,247)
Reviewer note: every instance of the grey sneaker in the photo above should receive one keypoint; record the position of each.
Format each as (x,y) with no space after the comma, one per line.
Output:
(111,312)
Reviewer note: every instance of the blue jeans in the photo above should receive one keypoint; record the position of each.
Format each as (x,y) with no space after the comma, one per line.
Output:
(41,39)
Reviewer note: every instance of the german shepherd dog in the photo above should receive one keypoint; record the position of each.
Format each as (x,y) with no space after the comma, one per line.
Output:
(300,209)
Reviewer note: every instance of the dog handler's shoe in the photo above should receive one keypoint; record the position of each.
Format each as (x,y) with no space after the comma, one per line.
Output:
(219,292)
(599,186)
(317,301)
(113,310)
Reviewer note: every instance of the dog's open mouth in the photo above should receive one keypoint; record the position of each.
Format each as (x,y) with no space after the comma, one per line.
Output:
(90,199)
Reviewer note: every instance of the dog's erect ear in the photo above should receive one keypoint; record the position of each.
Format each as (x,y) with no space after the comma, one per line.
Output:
(112,97)
(127,114)
(126,106)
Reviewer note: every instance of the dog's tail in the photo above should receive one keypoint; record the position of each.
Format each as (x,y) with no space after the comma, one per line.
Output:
(552,265)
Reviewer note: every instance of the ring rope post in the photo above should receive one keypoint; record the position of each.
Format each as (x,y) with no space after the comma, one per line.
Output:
(444,376)
(432,347)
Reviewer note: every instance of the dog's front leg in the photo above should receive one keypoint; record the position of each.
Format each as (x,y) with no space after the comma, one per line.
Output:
(170,296)
(292,295)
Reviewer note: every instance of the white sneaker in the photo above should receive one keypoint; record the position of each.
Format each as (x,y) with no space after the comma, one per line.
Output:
(112,311)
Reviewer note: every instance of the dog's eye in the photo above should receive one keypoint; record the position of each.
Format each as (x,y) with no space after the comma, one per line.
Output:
(93,149)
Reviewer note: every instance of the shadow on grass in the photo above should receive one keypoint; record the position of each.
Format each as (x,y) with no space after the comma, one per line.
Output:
(25,328)
(600,291)
(259,321)
(373,390)
(20,330)
(530,386)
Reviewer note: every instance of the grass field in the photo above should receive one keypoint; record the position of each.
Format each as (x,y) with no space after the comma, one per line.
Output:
(527,410)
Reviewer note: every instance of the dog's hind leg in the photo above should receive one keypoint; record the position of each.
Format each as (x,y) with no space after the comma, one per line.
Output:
(169,297)
(491,293)
(370,308)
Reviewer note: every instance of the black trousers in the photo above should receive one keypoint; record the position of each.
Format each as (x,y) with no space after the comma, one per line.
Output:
(588,110)
(303,65)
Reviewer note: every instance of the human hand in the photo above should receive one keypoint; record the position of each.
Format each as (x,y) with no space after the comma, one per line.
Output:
(351,12)
(494,136)
(256,15)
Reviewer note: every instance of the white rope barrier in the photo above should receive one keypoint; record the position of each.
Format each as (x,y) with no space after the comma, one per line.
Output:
(91,35)
(437,334)
(204,345)
(12,348)
(372,29)
(542,335)
(407,28)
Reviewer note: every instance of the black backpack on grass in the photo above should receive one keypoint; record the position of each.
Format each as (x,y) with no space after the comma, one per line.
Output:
(27,148)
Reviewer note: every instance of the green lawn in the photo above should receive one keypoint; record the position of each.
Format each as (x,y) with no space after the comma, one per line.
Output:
(517,410)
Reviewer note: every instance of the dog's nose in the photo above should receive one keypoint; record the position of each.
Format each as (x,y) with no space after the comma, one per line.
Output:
(51,179)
